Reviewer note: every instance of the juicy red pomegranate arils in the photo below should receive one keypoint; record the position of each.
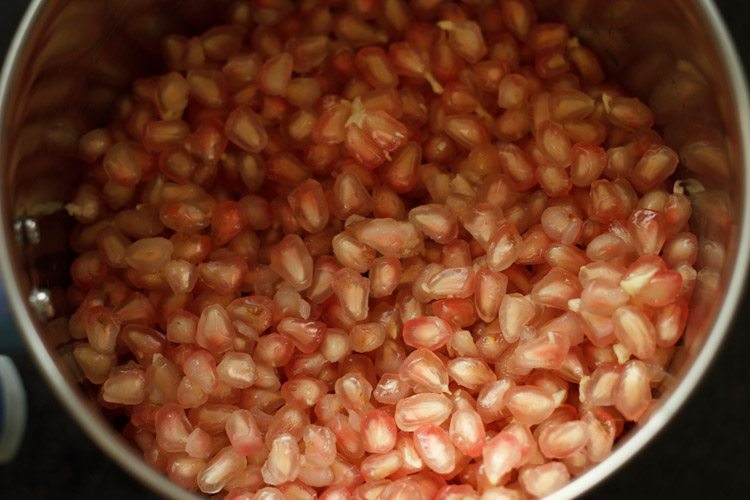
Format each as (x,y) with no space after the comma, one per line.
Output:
(378,249)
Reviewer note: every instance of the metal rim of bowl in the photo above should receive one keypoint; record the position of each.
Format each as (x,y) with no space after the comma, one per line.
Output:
(112,444)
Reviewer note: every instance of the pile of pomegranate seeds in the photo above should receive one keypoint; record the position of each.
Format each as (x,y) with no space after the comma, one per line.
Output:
(378,249)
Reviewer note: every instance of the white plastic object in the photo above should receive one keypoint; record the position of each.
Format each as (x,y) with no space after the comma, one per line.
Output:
(12,410)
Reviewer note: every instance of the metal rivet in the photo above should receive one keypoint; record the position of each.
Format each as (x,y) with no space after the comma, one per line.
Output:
(41,302)
(26,231)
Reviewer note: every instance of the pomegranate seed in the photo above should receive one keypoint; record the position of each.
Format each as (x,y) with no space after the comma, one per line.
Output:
(633,392)
(542,480)
(628,113)
(635,331)
(501,454)
(379,432)
(472,373)
(282,464)
(352,291)
(465,38)
(420,409)
(379,466)
(427,332)
(654,167)
(435,447)
(219,469)
(423,370)
(124,387)
(468,131)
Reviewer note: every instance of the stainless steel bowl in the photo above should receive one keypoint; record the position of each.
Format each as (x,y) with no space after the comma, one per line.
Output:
(71,58)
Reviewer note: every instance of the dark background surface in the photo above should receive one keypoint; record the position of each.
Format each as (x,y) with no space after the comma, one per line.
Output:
(703,453)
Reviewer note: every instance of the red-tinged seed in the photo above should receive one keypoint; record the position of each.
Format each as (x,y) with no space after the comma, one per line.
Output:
(384,130)
(303,392)
(465,38)
(435,447)
(275,74)
(143,342)
(377,467)
(200,368)
(95,365)
(308,52)
(586,62)
(460,312)
(554,143)
(354,390)
(282,464)
(435,221)
(490,287)
(648,230)
(482,221)
(633,392)
(245,130)
(243,432)
(519,16)
(390,237)
(543,480)
(215,331)
(467,431)
(350,197)
(500,455)
(564,439)
(125,387)
(554,180)
(457,492)
(102,328)
(379,432)
(385,275)
(367,337)
(348,440)
(237,370)
(172,92)
(352,292)
(628,112)
(472,373)
(547,351)
(423,370)
(515,312)
(375,67)
(468,131)
(654,167)
(428,332)
(310,206)
(599,387)
(331,126)
(220,469)
(402,173)
(390,389)
(125,163)
(504,247)
(336,345)
(291,260)
(198,444)
(162,379)
(634,330)
(570,105)
(602,297)
(562,223)
(518,165)
(670,323)
(513,92)
(556,288)
(419,409)
(528,404)
(320,445)
(255,311)
(180,275)
(457,282)
(305,335)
